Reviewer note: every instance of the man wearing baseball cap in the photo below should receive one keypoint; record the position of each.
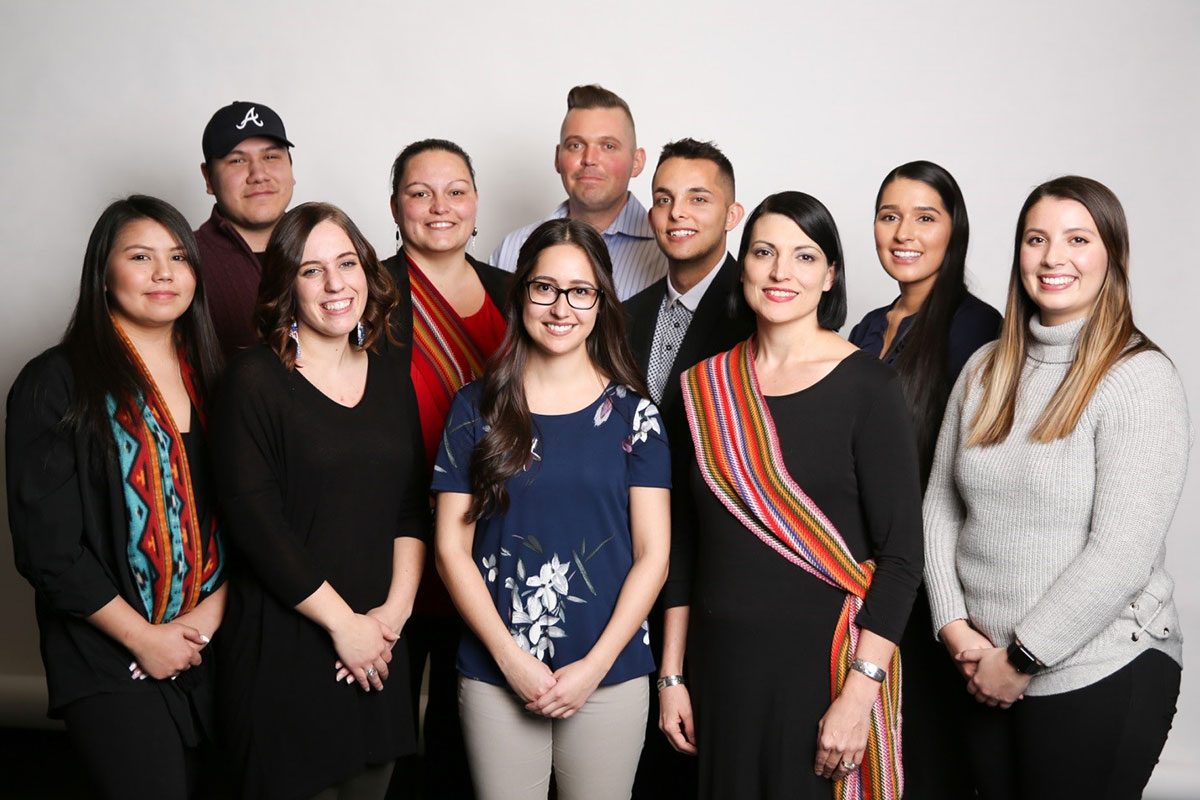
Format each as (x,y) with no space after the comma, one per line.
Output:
(248,169)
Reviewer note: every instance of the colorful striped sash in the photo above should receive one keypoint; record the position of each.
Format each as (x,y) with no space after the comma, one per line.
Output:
(439,336)
(737,450)
(175,560)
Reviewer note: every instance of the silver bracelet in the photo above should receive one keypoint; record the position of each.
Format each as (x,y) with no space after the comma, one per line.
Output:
(872,671)
(670,680)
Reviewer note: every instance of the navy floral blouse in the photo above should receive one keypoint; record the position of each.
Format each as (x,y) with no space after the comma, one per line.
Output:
(556,560)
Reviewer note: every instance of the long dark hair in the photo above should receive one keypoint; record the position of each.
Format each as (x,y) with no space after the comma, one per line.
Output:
(504,450)
(276,308)
(812,217)
(98,359)
(923,363)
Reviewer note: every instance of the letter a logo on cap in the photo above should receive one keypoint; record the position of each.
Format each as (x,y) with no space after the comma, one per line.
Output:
(251,116)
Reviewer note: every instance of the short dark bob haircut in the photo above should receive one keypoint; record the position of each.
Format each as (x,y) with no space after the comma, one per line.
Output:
(276,307)
(812,217)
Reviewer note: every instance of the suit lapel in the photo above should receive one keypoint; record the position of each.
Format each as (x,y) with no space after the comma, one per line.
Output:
(710,328)
(643,317)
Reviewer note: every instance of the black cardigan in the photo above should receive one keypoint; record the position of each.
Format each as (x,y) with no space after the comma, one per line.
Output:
(495,282)
(66,512)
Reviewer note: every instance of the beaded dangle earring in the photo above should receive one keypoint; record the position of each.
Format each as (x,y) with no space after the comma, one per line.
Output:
(398,243)
(360,334)
(294,332)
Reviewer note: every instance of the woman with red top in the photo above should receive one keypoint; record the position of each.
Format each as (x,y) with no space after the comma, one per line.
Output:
(449,323)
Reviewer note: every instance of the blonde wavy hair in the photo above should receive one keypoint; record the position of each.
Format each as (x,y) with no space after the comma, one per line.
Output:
(1108,334)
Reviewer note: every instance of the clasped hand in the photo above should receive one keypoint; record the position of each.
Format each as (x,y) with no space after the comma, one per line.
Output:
(163,651)
(364,647)
(556,695)
(994,682)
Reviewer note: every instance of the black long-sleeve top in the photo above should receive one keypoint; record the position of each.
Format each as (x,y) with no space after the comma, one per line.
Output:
(975,323)
(66,511)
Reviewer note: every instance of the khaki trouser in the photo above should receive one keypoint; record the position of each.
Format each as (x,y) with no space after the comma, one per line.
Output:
(594,754)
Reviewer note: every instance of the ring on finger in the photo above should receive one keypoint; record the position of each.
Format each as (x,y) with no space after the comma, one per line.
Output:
(849,765)
(370,672)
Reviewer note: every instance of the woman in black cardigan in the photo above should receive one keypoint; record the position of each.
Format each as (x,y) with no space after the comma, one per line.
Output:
(111,510)
(449,323)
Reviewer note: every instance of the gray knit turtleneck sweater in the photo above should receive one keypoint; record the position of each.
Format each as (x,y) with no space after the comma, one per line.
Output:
(1062,544)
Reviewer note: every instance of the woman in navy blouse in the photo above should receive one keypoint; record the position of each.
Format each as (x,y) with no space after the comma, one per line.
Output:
(553,533)
(927,334)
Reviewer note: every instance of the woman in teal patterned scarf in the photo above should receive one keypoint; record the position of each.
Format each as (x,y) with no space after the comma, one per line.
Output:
(110,508)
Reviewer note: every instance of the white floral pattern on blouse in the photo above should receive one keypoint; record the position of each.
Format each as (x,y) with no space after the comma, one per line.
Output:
(539,601)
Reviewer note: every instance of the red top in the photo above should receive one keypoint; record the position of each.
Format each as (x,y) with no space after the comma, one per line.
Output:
(448,351)
(486,329)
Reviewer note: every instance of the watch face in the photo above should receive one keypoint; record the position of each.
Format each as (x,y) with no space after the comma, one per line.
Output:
(1021,659)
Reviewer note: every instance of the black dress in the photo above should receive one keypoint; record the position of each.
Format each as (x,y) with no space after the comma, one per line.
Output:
(312,491)
(761,628)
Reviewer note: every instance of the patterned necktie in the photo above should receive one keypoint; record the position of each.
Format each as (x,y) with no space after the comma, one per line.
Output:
(672,325)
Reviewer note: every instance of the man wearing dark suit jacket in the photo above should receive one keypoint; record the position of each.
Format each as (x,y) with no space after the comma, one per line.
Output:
(675,323)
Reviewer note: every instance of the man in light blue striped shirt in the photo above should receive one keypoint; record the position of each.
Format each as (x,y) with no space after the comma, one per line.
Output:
(596,156)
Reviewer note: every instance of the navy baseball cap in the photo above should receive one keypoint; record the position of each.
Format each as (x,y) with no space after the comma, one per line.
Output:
(238,121)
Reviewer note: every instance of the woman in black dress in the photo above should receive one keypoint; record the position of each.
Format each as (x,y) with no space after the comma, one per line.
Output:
(771,717)
(110,508)
(927,334)
(320,468)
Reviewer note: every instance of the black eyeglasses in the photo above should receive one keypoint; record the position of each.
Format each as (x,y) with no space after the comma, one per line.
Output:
(580,298)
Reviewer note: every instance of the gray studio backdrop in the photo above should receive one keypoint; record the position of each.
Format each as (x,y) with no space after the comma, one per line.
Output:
(105,99)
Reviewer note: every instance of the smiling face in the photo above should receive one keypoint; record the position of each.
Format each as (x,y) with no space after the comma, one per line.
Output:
(912,231)
(1063,261)
(331,286)
(559,329)
(596,157)
(785,272)
(436,205)
(693,209)
(149,281)
(252,183)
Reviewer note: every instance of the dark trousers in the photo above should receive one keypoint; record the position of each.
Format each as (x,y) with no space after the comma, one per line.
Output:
(935,704)
(1098,742)
(443,772)
(132,748)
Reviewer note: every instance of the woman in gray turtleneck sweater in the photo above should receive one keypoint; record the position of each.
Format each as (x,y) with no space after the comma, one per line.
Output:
(1058,469)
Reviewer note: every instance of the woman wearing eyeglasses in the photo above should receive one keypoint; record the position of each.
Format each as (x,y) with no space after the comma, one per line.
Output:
(553,533)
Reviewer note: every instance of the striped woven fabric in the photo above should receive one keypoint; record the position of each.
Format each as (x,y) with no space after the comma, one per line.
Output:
(175,559)
(439,337)
(737,450)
